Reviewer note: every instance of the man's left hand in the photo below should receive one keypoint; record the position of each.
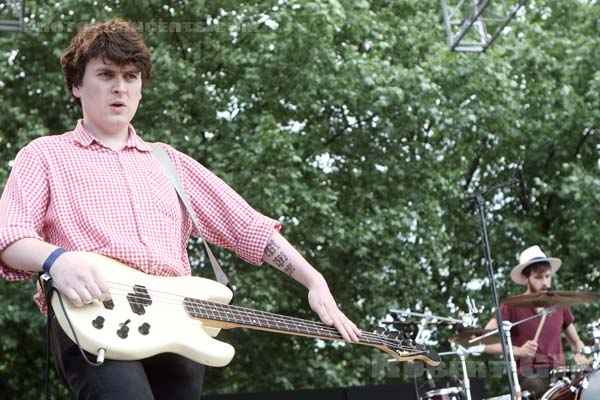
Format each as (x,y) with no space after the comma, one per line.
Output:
(580,359)
(322,302)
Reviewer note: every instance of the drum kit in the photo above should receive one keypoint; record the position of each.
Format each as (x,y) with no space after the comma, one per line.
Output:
(566,383)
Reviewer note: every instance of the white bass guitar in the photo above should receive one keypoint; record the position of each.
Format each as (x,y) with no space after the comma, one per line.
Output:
(149,314)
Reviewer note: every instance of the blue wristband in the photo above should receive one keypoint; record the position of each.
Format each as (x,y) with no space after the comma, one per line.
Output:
(51,258)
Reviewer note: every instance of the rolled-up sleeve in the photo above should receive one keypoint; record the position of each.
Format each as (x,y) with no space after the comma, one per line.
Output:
(226,219)
(23,206)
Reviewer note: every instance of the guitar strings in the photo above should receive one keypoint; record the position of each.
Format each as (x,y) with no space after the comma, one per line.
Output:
(379,339)
(250,313)
(175,299)
(266,317)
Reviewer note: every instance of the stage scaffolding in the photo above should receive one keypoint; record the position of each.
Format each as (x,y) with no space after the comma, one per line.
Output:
(473,25)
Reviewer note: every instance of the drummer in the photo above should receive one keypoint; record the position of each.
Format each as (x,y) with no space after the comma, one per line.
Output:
(535,359)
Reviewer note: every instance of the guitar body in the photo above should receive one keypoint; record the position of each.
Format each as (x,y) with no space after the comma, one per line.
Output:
(151,309)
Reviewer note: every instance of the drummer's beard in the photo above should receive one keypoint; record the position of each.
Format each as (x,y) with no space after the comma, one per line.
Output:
(533,289)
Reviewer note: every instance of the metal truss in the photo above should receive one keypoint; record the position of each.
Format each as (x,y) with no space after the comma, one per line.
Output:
(13,8)
(473,25)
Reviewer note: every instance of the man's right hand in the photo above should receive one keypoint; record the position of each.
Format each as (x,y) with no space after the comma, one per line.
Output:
(78,280)
(528,349)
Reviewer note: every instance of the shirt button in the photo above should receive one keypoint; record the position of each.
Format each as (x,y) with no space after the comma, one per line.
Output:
(144,238)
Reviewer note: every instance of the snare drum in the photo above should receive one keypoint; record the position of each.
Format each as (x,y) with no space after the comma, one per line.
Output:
(450,393)
(586,387)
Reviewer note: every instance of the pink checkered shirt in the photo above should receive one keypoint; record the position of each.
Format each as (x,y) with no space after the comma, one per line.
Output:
(72,191)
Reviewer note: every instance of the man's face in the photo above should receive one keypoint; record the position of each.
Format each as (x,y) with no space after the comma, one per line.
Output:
(109,95)
(539,281)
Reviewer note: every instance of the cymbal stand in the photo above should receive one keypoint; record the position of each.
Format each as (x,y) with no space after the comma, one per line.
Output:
(424,334)
(506,327)
(462,353)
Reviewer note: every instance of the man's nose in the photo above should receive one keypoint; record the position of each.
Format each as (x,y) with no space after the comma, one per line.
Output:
(119,84)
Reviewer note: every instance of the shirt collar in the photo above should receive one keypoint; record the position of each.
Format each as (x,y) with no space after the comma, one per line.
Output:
(85,138)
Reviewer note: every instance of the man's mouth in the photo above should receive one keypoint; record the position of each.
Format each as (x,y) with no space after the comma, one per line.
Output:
(118,104)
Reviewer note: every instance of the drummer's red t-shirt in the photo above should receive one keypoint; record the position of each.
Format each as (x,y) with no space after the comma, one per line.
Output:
(549,352)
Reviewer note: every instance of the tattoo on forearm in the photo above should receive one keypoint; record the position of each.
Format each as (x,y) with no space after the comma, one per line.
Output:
(271,249)
(289,269)
(280,259)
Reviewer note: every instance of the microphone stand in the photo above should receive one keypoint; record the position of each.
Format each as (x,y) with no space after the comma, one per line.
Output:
(478,197)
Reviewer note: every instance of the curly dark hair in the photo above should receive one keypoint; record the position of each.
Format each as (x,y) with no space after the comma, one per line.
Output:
(114,41)
(538,267)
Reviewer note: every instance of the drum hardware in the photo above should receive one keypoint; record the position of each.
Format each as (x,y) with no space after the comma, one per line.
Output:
(525,396)
(467,319)
(423,335)
(593,332)
(450,393)
(568,373)
(427,316)
(586,387)
(462,353)
(594,351)
(506,327)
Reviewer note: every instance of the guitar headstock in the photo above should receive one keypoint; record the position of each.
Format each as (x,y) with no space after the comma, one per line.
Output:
(404,348)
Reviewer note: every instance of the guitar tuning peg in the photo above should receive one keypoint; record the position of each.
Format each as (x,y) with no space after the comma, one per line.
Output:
(379,330)
(392,335)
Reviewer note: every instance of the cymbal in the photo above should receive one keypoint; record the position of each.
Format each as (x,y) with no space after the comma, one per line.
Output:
(551,298)
(464,337)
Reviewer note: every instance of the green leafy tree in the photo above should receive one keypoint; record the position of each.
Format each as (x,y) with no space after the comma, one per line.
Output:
(353,124)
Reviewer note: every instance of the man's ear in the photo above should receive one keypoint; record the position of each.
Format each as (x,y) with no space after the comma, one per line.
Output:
(76,92)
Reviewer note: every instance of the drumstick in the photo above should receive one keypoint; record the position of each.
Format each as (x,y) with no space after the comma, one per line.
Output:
(539,329)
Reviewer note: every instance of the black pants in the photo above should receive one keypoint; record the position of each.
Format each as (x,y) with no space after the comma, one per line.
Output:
(164,376)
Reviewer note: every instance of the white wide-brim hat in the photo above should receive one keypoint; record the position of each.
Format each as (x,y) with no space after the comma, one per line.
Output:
(532,255)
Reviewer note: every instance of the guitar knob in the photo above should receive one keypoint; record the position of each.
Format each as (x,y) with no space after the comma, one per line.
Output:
(144,328)
(123,331)
(98,322)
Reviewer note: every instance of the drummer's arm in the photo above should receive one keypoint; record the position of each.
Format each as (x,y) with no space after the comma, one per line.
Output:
(576,345)
(492,348)
(528,349)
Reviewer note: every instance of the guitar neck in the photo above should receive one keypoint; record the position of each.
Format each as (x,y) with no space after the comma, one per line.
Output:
(228,316)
